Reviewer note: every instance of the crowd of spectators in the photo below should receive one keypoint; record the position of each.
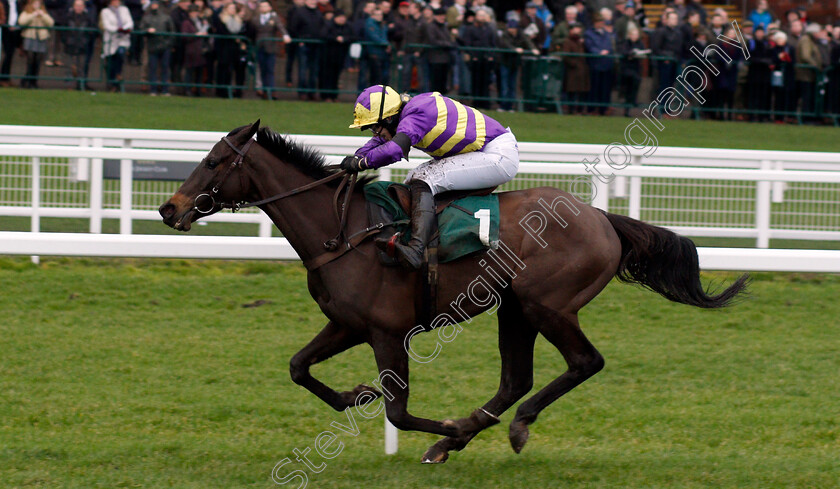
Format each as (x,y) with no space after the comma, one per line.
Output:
(460,47)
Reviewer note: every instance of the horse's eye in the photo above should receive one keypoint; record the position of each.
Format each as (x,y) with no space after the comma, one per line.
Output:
(210,164)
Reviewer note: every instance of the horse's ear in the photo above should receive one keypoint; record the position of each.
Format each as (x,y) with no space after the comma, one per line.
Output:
(253,129)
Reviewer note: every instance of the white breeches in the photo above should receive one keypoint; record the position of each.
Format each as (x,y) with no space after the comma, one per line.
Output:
(495,164)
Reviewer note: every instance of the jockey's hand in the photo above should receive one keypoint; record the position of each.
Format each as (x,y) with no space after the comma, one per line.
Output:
(353,164)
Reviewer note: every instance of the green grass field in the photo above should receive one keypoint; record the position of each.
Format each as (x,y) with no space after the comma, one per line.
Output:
(152,374)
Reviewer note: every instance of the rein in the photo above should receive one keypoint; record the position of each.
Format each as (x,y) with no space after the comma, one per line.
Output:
(331,245)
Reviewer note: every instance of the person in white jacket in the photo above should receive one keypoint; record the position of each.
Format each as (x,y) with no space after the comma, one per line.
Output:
(116,24)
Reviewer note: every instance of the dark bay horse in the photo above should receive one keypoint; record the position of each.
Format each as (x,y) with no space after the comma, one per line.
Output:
(556,256)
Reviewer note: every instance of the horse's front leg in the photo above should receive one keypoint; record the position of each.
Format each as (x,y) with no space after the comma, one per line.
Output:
(392,361)
(333,339)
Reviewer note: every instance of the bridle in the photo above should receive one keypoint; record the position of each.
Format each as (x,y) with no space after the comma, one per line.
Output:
(238,163)
(340,208)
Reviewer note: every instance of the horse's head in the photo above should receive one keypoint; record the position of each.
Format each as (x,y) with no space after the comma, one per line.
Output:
(217,180)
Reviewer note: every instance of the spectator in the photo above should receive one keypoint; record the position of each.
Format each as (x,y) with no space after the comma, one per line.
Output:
(455,14)
(833,88)
(783,81)
(761,16)
(116,23)
(481,35)
(561,30)
(696,6)
(461,75)
(533,26)
(758,75)
(135,51)
(626,22)
(307,29)
(680,8)
(291,49)
(411,59)
(795,32)
(599,41)
(194,59)
(57,10)
(338,35)
(725,84)
(438,57)
(667,44)
(397,27)
(359,23)
(632,51)
(266,25)
(583,16)
(544,14)
(376,33)
(34,39)
(179,13)
(76,42)
(479,5)
(716,29)
(810,61)
(231,53)
(512,39)
(576,83)
(159,26)
(9,37)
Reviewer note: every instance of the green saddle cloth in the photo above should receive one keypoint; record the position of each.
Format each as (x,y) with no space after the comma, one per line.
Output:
(458,225)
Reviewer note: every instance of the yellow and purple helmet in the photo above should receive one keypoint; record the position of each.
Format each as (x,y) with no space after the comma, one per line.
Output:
(375,104)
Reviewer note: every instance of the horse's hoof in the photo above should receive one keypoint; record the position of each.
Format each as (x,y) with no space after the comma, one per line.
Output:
(434,456)
(518,435)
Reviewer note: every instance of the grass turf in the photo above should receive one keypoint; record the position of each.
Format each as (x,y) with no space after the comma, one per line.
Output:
(69,108)
(138,373)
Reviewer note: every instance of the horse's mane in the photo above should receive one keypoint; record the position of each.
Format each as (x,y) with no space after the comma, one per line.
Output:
(305,158)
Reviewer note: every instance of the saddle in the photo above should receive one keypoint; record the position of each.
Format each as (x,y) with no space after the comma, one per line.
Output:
(402,195)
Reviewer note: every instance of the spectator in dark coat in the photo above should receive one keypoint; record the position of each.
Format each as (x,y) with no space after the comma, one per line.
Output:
(533,26)
(76,42)
(231,53)
(376,33)
(411,60)
(576,83)
(10,38)
(482,34)
(291,49)
(179,14)
(307,27)
(783,83)
(266,25)
(194,60)
(158,24)
(833,88)
(809,57)
(337,35)
(439,57)
(758,75)
(668,43)
(632,51)
(512,39)
(599,42)
(723,93)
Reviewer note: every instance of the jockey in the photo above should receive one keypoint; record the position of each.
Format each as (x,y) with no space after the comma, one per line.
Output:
(469,151)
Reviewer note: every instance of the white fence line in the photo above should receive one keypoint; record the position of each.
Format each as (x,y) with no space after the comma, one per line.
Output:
(253,248)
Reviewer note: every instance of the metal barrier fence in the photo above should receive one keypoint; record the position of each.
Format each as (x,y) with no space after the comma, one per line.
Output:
(539,84)
(760,195)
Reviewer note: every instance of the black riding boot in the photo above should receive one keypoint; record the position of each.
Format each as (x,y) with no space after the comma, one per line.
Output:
(422,220)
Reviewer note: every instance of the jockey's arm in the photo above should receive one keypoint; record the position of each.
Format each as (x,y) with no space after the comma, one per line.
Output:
(378,152)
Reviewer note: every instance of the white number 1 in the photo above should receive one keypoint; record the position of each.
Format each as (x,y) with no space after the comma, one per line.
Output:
(483,216)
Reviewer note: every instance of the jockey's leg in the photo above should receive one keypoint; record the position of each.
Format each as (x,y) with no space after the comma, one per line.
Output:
(422,220)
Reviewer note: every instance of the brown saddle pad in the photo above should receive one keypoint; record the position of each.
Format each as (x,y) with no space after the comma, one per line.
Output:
(402,194)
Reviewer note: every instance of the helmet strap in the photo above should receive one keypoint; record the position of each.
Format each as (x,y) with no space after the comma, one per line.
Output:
(382,104)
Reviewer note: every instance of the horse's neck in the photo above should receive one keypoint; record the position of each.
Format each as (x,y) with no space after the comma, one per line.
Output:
(305,219)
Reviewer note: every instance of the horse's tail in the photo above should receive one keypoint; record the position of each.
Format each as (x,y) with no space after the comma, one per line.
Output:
(666,263)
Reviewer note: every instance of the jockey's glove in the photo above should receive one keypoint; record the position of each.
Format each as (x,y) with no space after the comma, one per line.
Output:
(354,164)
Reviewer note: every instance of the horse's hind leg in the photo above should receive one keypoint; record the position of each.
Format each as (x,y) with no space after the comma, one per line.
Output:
(516,346)
(584,361)
(332,340)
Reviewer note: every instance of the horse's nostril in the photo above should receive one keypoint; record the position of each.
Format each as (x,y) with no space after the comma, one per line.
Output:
(167,210)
